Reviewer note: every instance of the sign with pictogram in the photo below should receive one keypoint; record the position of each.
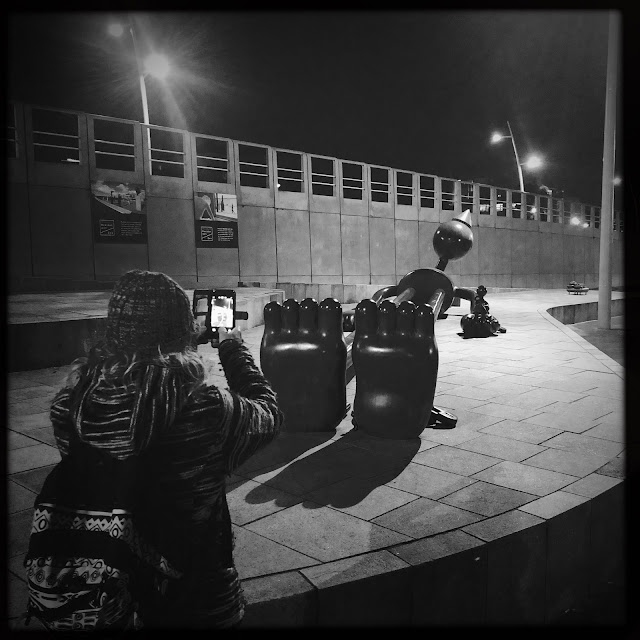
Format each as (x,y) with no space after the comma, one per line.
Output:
(216,220)
(118,211)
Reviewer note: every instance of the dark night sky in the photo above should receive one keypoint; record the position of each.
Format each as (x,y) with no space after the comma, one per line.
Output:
(420,91)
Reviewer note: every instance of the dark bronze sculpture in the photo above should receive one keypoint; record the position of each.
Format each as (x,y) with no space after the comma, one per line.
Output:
(392,350)
(480,323)
(396,361)
(303,355)
(577,288)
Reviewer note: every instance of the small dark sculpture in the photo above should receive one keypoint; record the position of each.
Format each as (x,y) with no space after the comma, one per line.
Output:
(480,323)
(577,288)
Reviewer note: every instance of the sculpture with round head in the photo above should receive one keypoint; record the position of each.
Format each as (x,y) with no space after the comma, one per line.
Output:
(454,239)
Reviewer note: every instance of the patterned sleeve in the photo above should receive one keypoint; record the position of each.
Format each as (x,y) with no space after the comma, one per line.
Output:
(59,415)
(252,417)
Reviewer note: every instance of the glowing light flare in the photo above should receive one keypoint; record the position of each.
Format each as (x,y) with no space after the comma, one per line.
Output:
(115,29)
(496,137)
(617,181)
(157,65)
(575,220)
(533,162)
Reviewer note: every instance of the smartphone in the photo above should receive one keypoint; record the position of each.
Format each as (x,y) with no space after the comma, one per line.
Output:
(222,312)
(212,309)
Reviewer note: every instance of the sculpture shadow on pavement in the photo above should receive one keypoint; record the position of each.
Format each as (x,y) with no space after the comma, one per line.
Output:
(338,472)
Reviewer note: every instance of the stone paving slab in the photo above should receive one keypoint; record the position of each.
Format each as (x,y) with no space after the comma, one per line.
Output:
(539,431)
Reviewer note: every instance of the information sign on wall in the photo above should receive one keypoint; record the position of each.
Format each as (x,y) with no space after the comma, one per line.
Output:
(118,211)
(216,220)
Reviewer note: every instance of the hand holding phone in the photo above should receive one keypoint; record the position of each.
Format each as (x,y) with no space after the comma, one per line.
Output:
(214,309)
(233,334)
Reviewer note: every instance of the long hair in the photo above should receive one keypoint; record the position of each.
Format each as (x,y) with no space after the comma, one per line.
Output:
(147,390)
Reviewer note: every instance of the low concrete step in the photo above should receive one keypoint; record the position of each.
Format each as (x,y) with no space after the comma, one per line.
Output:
(49,330)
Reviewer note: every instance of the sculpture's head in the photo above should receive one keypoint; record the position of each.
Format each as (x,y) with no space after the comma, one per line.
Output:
(454,239)
(481,291)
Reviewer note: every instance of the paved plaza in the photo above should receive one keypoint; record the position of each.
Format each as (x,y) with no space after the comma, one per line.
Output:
(540,432)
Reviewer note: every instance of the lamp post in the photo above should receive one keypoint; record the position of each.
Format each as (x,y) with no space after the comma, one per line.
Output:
(533,162)
(154,64)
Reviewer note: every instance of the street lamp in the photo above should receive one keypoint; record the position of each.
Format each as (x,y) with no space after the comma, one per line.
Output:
(532,162)
(155,64)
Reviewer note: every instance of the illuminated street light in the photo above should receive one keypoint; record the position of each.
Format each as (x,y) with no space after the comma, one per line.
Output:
(532,162)
(116,29)
(617,181)
(155,64)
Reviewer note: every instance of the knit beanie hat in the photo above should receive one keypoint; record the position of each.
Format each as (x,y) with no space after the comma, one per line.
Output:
(148,310)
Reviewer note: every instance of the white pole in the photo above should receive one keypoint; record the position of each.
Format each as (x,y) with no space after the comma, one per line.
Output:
(608,168)
(515,151)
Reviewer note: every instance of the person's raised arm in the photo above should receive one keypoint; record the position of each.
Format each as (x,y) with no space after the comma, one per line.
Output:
(252,409)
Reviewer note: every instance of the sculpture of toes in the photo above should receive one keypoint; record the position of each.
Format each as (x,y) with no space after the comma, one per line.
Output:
(303,355)
(395,357)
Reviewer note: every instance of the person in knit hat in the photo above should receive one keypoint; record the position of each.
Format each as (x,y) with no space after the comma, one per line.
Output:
(142,390)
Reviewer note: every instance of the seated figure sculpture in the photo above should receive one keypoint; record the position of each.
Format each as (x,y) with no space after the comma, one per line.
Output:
(303,355)
(395,357)
(480,323)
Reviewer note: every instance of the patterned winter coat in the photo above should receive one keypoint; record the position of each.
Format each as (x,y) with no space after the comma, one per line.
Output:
(184,511)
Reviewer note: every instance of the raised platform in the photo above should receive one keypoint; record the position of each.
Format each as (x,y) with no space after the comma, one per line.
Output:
(52,329)
(513,517)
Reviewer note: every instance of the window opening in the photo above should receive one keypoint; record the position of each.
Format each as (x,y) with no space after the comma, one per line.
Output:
(167,153)
(114,145)
(352,183)
(404,188)
(254,166)
(428,192)
(212,160)
(322,176)
(55,137)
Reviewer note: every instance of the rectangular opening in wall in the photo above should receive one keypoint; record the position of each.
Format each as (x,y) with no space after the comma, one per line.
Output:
(55,136)
(501,202)
(544,209)
(596,217)
(114,145)
(379,184)
(448,191)
(12,132)
(254,166)
(615,220)
(167,153)
(532,210)
(352,184)
(322,176)
(566,212)
(290,177)
(516,204)
(466,196)
(555,211)
(587,214)
(484,200)
(212,160)
(404,188)
(620,221)
(428,192)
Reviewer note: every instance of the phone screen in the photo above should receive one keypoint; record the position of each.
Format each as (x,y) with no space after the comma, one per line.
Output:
(222,312)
